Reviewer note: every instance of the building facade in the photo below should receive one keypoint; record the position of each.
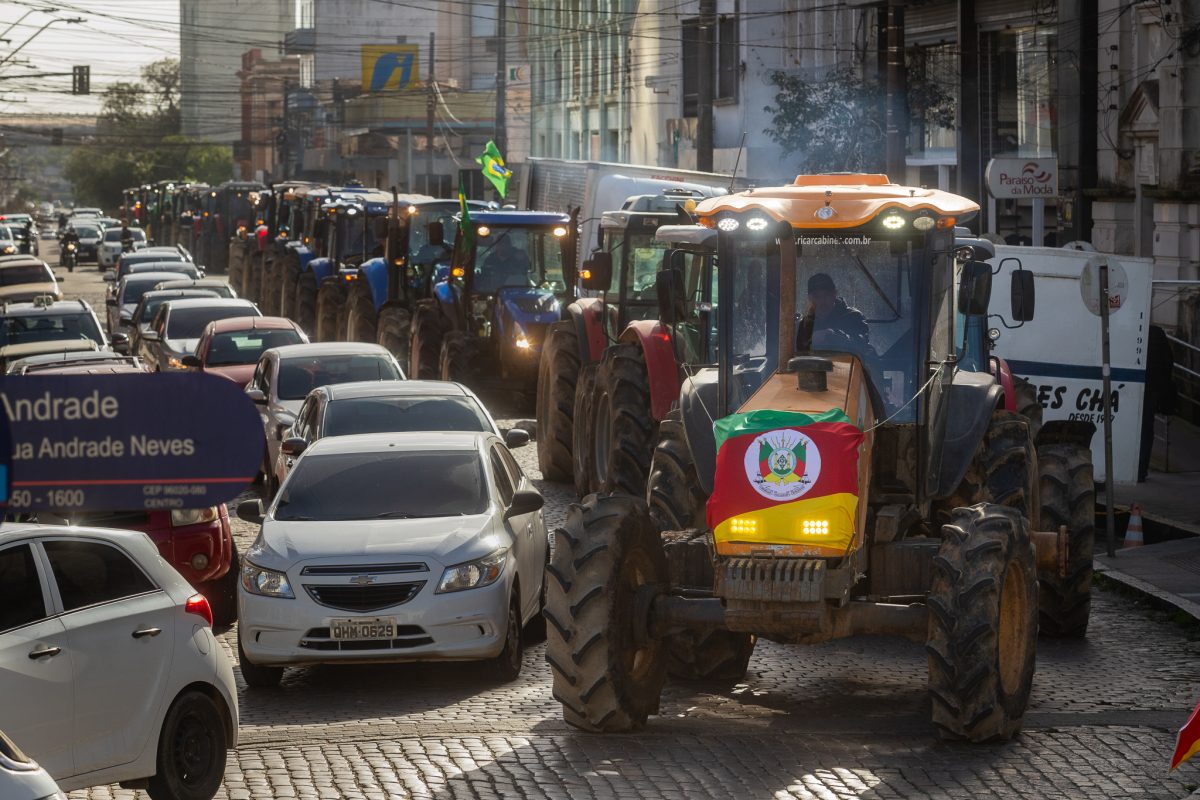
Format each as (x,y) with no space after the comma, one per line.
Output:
(265,83)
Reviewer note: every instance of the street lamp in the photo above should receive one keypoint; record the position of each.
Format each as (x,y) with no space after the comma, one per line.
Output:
(70,20)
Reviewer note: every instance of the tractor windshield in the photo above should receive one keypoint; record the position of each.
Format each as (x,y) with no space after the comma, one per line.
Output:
(525,257)
(853,295)
(356,236)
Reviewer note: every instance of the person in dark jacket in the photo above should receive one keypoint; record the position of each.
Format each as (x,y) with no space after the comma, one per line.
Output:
(828,312)
(1160,393)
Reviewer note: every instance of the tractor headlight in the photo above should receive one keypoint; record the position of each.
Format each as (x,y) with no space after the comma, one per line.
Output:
(893,222)
(473,574)
(728,224)
(757,224)
(924,224)
(560,231)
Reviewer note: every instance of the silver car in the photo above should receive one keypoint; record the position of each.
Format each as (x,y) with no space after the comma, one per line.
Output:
(177,327)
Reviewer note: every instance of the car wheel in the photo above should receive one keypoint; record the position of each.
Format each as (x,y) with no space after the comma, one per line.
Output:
(508,664)
(257,677)
(192,749)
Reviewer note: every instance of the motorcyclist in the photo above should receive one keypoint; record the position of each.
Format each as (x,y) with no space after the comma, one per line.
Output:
(67,256)
(126,237)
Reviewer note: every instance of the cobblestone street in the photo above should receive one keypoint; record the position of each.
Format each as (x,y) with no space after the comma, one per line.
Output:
(840,720)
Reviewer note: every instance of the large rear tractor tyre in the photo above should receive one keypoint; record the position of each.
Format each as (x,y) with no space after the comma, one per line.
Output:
(253,277)
(288,275)
(583,433)
(331,296)
(425,347)
(982,624)
(1002,471)
(306,303)
(1027,404)
(625,430)
(713,656)
(607,552)
(361,317)
(393,332)
(558,372)
(1068,497)
(237,266)
(454,361)
(673,489)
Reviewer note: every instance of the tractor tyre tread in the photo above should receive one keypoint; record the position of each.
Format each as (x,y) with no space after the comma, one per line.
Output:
(632,427)
(454,360)
(558,374)
(425,347)
(583,433)
(1068,497)
(306,303)
(673,490)
(331,297)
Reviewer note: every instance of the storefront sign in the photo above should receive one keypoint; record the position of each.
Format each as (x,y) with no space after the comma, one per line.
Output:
(1022,177)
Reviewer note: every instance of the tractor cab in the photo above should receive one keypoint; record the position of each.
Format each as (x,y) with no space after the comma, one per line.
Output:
(357,223)
(686,291)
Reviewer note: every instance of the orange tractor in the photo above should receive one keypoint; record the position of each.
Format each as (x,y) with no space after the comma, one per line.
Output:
(853,464)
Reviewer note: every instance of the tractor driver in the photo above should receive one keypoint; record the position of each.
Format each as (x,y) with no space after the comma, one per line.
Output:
(506,265)
(830,320)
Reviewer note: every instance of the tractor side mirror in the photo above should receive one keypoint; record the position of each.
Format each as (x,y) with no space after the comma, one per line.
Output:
(1022,295)
(975,288)
(672,297)
(597,272)
(436,233)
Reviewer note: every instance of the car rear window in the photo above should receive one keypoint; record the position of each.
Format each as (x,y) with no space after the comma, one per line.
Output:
(150,305)
(49,328)
(403,414)
(244,347)
(184,269)
(135,288)
(14,276)
(114,235)
(396,485)
(299,376)
(189,323)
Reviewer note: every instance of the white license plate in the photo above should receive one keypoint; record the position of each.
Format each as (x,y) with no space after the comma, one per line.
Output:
(363,628)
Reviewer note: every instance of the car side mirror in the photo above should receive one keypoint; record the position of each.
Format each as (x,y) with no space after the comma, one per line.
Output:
(515,438)
(191,361)
(293,446)
(120,339)
(672,299)
(597,272)
(436,233)
(526,501)
(1022,295)
(151,336)
(256,395)
(975,288)
(110,276)
(251,511)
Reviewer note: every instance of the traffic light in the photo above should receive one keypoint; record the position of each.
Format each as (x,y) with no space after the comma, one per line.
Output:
(81,79)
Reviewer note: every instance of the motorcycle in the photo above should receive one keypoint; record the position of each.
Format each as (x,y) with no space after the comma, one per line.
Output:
(70,255)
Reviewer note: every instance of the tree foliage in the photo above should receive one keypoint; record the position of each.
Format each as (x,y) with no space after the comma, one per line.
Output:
(138,140)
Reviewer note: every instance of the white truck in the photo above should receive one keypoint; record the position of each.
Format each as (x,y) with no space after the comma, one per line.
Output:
(1059,350)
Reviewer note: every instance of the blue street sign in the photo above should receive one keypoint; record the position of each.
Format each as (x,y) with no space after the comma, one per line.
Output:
(117,442)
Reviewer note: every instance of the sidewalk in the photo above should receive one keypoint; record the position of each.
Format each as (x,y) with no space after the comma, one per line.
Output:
(1169,571)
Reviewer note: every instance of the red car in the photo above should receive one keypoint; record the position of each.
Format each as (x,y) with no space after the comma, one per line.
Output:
(231,347)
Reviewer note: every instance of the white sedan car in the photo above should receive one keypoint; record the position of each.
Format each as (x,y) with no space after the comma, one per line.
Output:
(110,247)
(108,666)
(21,778)
(393,547)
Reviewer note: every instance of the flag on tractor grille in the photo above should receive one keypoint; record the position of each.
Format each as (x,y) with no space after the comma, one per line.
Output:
(493,168)
(1187,743)
(785,478)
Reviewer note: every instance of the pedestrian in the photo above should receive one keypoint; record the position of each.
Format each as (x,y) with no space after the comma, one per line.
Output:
(1160,394)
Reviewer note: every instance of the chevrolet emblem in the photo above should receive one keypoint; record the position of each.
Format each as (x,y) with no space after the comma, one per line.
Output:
(363,580)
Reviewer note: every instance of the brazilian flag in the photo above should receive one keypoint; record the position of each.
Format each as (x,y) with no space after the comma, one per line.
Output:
(493,168)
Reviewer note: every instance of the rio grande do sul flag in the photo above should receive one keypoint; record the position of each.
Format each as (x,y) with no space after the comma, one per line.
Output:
(785,478)
(1187,743)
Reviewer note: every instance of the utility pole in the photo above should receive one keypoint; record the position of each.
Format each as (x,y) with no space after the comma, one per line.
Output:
(897,91)
(704,85)
(501,137)
(286,134)
(430,105)
(970,165)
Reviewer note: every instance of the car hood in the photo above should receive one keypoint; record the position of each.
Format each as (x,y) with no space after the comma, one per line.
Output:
(184,346)
(448,540)
(238,373)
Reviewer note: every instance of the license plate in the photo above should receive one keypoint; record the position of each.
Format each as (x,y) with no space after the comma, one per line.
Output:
(363,628)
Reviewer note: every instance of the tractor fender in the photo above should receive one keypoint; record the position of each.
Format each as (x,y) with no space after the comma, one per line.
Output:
(375,273)
(661,368)
(1004,375)
(302,251)
(967,404)
(698,407)
(446,298)
(321,268)
(588,315)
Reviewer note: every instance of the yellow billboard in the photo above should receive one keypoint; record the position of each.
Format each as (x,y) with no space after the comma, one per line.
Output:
(390,67)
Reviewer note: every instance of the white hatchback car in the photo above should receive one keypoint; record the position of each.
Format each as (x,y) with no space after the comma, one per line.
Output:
(108,666)
(393,547)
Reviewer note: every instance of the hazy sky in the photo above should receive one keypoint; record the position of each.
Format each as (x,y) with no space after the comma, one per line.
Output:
(117,38)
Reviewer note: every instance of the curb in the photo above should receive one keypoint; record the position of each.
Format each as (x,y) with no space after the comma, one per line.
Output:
(1188,607)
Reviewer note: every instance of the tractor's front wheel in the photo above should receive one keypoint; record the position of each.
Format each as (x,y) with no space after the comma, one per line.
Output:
(673,489)
(288,274)
(268,290)
(425,347)
(331,296)
(361,317)
(1068,497)
(558,372)
(1001,472)
(306,303)
(583,433)
(454,361)
(608,552)
(625,429)
(392,332)
(983,620)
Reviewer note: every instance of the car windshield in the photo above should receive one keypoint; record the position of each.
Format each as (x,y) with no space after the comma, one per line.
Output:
(403,414)
(114,235)
(299,376)
(49,327)
(189,323)
(519,257)
(394,485)
(219,289)
(86,232)
(14,276)
(244,347)
(182,267)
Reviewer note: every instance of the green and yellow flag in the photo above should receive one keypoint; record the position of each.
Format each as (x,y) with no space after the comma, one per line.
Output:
(465,229)
(493,168)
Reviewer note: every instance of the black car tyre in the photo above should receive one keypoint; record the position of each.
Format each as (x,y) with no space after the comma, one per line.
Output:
(192,750)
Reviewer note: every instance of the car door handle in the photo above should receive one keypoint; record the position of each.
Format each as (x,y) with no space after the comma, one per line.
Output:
(142,633)
(44,652)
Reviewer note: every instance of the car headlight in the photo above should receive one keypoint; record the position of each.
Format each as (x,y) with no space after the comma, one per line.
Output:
(175,362)
(9,250)
(192,516)
(265,582)
(473,574)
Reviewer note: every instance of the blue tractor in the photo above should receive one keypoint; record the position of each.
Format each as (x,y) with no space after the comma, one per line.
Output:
(507,283)
(381,299)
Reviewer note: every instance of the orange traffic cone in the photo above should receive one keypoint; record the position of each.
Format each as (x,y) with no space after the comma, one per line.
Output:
(1133,533)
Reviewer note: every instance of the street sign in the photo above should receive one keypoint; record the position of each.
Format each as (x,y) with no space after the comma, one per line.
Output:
(390,67)
(124,442)
(1089,285)
(1022,177)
